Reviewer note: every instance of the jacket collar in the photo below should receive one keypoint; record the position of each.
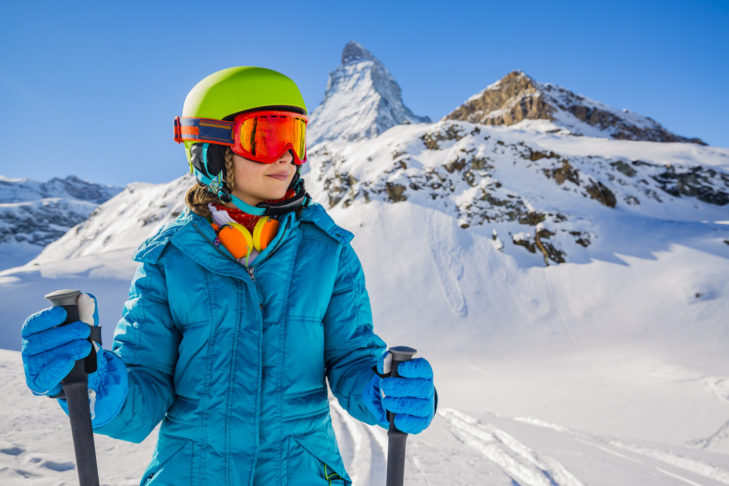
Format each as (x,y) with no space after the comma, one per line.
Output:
(196,239)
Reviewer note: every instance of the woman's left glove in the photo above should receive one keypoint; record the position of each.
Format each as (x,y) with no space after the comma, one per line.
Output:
(411,396)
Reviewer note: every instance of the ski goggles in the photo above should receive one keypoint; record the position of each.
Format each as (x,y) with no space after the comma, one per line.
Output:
(262,136)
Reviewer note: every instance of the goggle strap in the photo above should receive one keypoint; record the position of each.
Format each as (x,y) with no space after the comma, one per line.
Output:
(247,208)
(189,129)
(300,199)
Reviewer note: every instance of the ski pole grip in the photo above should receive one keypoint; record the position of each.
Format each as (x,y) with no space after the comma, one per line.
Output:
(399,354)
(75,390)
(67,298)
(396,438)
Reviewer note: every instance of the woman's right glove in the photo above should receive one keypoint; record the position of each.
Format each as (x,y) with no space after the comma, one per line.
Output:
(49,353)
(411,396)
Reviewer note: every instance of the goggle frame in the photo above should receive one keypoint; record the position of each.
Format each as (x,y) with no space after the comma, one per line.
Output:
(223,132)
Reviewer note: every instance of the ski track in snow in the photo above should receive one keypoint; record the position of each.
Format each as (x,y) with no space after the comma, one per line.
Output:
(364,451)
(645,455)
(363,448)
(555,303)
(720,435)
(707,470)
(522,464)
(450,268)
(719,387)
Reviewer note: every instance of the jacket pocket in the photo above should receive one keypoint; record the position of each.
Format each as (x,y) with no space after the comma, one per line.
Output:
(314,460)
(171,463)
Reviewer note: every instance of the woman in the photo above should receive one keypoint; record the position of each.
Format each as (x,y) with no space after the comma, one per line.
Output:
(238,312)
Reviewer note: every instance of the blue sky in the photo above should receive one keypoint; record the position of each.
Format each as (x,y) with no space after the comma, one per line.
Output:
(91,88)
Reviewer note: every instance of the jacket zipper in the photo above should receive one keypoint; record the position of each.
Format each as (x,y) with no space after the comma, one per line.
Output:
(258,261)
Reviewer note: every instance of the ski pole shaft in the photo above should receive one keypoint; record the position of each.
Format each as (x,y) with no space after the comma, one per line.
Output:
(75,388)
(396,438)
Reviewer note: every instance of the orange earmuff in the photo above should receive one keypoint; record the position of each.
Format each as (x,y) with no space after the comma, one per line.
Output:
(264,232)
(239,241)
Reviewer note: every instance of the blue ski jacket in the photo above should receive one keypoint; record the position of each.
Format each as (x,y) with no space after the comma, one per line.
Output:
(233,360)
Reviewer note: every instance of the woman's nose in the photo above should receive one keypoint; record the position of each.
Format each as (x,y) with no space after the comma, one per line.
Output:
(284,159)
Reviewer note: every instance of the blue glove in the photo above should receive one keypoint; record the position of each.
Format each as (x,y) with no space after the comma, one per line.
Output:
(50,352)
(411,396)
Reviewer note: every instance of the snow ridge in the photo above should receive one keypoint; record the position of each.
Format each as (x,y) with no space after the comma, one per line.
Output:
(122,223)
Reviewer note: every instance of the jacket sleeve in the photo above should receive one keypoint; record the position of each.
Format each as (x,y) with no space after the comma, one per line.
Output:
(351,346)
(146,339)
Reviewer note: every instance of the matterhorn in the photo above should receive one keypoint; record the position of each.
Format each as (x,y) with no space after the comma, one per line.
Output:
(362,100)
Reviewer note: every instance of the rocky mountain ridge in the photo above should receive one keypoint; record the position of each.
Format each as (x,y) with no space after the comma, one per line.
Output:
(517,98)
(526,190)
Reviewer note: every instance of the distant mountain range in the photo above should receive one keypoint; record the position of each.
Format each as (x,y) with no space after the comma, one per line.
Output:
(33,213)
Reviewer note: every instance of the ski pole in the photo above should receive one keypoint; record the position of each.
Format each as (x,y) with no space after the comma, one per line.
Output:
(396,438)
(75,389)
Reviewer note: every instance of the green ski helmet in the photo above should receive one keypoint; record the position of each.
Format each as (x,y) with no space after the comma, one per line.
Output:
(223,95)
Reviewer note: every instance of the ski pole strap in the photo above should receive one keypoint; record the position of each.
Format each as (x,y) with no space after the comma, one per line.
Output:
(96,334)
(90,360)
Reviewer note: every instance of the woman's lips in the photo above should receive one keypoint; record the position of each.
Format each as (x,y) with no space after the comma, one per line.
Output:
(282,176)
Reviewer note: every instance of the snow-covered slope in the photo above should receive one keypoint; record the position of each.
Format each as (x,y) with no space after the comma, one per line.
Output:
(362,100)
(33,213)
(518,100)
(606,373)
(122,223)
(558,197)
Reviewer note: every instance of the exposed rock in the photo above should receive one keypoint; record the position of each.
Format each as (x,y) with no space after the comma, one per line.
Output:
(697,182)
(597,190)
(514,98)
(531,218)
(533,156)
(564,173)
(581,239)
(518,97)
(396,192)
(431,139)
(624,168)
(549,251)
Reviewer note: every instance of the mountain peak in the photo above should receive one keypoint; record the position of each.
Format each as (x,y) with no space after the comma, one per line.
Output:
(517,98)
(361,101)
(354,52)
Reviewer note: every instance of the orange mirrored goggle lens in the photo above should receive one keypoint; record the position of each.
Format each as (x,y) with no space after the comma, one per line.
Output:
(265,137)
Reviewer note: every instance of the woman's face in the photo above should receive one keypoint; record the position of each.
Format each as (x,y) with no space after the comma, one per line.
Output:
(256,182)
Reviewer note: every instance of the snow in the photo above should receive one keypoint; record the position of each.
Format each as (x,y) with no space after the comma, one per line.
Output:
(602,351)
(458,448)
